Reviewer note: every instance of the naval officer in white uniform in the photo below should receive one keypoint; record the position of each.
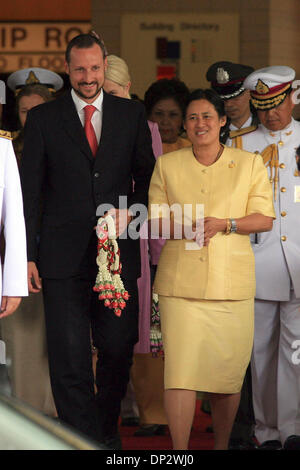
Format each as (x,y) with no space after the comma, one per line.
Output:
(13,272)
(276,353)
(13,276)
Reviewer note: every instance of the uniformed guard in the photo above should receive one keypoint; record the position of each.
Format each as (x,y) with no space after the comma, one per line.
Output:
(276,354)
(227,79)
(31,87)
(34,75)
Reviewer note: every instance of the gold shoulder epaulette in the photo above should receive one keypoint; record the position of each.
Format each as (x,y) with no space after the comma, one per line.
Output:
(243,131)
(270,158)
(5,134)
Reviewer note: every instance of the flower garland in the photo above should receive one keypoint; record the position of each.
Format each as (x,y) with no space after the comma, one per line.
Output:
(108,281)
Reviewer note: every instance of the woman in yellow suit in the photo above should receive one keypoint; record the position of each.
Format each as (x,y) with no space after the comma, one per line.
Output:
(206,286)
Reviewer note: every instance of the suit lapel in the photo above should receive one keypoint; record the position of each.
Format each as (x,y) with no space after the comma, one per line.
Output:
(73,125)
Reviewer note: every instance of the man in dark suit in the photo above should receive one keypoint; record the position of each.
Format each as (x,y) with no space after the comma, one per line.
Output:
(58,166)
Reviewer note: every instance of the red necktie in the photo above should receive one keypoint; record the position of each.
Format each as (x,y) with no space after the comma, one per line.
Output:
(89,128)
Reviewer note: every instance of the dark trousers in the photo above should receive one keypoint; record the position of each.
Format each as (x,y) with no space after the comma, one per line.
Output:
(72,312)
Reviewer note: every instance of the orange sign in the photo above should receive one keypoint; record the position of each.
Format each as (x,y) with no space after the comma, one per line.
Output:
(38,44)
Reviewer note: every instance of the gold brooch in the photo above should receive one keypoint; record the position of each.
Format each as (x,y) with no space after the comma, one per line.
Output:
(231,164)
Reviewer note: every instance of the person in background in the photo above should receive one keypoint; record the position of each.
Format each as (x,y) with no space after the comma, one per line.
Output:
(206,290)
(32,87)
(165,103)
(117,82)
(145,391)
(227,79)
(275,360)
(117,79)
(28,370)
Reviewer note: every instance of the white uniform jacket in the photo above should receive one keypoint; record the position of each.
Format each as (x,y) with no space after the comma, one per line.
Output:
(277,253)
(13,275)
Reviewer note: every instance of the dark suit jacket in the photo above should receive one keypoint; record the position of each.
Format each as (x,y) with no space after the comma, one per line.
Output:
(58,165)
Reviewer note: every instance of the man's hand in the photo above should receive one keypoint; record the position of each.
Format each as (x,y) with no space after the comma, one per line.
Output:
(9,305)
(121,218)
(34,280)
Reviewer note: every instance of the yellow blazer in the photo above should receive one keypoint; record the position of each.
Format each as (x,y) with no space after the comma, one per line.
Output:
(236,185)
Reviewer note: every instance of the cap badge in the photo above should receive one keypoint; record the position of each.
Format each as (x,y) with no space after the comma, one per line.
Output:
(222,75)
(32,78)
(261,87)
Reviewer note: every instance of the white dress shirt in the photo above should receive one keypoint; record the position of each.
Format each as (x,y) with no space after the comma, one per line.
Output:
(97,116)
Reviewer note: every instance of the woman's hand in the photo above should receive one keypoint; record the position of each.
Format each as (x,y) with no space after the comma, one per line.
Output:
(212,225)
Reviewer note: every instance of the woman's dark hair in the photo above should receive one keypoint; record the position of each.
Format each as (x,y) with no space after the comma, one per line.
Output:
(209,95)
(165,89)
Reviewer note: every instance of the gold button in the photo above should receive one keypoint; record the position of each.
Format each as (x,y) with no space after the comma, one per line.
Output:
(282,165)
(283,190)
(283,213)
(203,258)
(204,191)
(283,238)
(280,143)
(204,171)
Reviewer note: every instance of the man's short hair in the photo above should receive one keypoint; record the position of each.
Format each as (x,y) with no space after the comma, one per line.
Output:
(84,41)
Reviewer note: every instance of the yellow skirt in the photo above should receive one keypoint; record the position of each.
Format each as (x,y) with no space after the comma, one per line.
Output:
(207,343)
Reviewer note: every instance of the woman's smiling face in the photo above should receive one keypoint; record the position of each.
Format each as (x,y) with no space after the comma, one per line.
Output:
(203,123)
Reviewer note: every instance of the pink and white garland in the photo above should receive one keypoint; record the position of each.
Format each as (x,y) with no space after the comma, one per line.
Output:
(108,281)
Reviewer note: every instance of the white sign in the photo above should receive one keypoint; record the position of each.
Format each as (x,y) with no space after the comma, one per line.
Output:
(201,39)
